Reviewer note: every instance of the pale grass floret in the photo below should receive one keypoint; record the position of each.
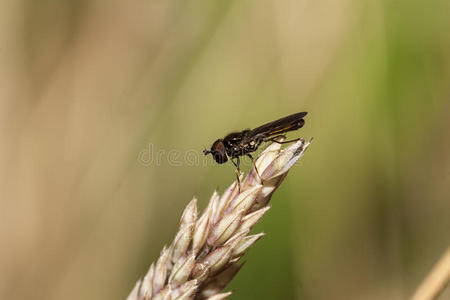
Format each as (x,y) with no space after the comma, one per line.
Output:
(204,255)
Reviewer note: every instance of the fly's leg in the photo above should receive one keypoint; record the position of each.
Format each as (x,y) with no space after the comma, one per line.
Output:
(237,171)
(274,139)
(254,165)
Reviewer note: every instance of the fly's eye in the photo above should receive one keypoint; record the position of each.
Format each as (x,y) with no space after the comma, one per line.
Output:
(219,152)
(220,158)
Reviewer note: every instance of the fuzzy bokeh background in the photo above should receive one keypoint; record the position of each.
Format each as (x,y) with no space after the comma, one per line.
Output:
(105,107)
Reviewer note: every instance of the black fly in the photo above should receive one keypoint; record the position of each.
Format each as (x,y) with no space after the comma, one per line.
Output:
(237,144)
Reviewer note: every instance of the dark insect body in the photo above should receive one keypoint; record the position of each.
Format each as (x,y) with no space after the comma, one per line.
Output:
(237,144)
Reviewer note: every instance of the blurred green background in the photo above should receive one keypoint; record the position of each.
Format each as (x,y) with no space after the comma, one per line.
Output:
(88,87)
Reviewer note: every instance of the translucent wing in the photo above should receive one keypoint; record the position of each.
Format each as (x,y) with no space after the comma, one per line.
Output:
(289,123)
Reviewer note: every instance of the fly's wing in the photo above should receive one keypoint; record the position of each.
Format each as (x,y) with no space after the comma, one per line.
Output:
(289,123)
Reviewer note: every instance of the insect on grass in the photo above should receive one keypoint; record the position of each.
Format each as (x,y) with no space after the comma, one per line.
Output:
(243,143)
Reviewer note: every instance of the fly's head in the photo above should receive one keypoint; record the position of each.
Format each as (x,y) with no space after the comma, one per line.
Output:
(218,151)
